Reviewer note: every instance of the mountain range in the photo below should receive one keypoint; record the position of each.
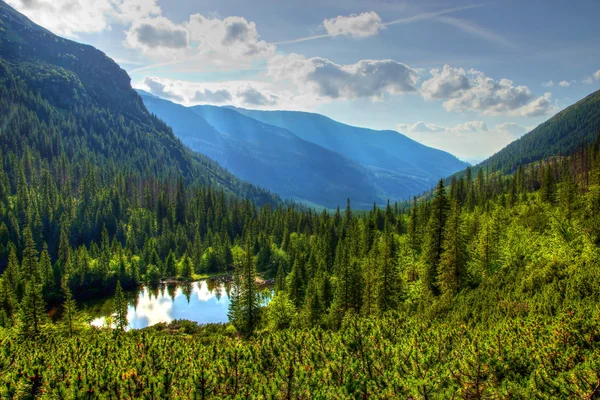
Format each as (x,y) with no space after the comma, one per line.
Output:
(308,157)
(62,101)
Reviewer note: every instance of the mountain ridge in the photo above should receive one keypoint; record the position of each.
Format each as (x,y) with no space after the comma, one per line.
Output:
(397,180)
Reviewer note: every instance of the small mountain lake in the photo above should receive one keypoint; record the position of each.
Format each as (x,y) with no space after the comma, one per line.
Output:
(204,301)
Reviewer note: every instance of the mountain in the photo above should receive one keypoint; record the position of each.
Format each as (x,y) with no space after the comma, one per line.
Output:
(382,151)
(61,101)
(571,128)
(269,156)
(305,167)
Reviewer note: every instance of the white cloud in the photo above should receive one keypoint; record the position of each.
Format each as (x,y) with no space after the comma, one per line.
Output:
(254,97)
(356,25)
(156,34)
(250,94)
(548,84)
(229,41)
(565,83)
(218,96)
(590,79)
(71,17)
(132,10)
(364,79)
(468,140)
(162,89)
(233,35)
(473,91)
(465,127)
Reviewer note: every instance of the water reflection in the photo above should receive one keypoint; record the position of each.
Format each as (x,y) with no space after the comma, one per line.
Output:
(203,301)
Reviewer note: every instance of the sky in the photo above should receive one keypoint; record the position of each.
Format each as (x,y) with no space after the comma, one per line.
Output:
(465,77)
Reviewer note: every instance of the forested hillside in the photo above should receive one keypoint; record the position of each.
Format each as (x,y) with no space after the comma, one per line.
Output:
(67,109)
(574,127)
(488,290)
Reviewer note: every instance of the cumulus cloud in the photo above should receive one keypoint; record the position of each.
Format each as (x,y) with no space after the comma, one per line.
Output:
(548,84)
(364,79)
(356,25)
(465,127)
(71,17)
(254,97)
(251,94)
(160,89)
(471,90)
(565,83)
(468,140)
(218,96)
(152,34)
(590,79)
(229,41)
(233,35)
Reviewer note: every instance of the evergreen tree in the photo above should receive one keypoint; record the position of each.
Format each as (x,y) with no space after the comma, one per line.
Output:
(244,310)
(433,245)
(120,309)
(452,271)
(33,309)
(69,311)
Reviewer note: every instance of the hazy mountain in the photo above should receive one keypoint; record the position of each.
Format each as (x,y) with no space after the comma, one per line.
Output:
(387,150)
(269,156)
(306,167)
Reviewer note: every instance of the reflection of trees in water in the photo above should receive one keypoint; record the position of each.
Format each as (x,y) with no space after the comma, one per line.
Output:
(214,286)
(172,290)
(228,288)
(153,291)
(134,300)
(187,288)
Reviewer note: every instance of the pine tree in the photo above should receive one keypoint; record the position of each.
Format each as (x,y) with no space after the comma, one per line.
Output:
(452,271)
(187,267)
(29,267)
(33,309)
(387,288)
(170,265)
(433,245)
(120,309)
(69,311)
(244,303)
(45,268)
(295,284)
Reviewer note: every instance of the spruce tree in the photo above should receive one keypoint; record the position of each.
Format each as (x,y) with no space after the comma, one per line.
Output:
(33,309)
(120,308)
(249,295)
(387,287)
(452,271)
(69,311)
(433,246)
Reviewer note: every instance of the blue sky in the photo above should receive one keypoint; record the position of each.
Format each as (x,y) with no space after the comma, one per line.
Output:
(466,77)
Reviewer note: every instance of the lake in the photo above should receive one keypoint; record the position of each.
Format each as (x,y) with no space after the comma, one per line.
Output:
(204,301)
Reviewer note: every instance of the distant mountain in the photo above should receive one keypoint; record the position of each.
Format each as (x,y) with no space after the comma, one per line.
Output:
(383,151)
(304,167)
(65,102)
(576,125)
(269,156)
